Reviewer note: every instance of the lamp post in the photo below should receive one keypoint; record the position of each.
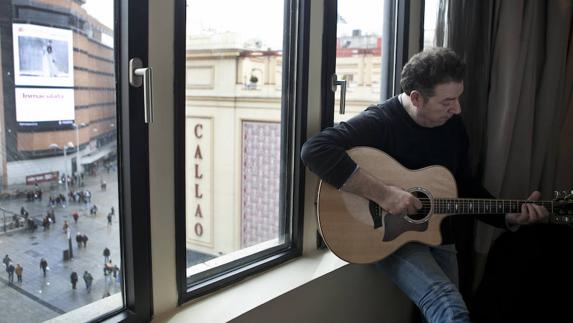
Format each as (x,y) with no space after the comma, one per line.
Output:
(66,166)
(78,156)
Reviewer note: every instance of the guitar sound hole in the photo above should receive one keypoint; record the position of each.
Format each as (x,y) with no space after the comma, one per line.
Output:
(426,206)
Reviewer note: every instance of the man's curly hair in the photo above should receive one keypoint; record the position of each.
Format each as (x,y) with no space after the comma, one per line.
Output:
(431,67)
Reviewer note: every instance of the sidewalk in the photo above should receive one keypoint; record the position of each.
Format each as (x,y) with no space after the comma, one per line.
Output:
(37,298)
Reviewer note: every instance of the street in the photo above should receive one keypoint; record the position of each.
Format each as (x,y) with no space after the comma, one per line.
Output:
(40,298)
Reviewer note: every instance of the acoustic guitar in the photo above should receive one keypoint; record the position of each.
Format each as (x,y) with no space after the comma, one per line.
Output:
(360,231)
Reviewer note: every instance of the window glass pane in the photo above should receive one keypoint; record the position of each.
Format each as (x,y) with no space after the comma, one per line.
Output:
(431,13)
(233,130)
(59,204)
(358,49)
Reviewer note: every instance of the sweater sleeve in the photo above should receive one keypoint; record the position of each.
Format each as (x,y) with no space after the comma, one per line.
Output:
(325,153)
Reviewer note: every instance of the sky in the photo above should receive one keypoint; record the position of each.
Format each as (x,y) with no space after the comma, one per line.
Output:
(261,19)
(264,18)
(102,10)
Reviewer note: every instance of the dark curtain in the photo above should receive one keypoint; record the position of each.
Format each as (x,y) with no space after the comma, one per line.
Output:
(518,109)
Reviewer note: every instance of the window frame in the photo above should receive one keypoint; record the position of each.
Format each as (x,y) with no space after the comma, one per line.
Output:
(293,133)
(394,52)
(131,40)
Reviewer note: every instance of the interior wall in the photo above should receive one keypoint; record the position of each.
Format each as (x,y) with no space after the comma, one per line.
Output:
(354,293)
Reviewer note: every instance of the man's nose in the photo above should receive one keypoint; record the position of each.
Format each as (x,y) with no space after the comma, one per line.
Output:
(457,108)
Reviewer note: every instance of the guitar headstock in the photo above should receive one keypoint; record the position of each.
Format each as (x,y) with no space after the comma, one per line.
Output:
(562,208)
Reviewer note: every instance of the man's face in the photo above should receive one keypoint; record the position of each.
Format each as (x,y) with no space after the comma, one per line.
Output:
(440,107)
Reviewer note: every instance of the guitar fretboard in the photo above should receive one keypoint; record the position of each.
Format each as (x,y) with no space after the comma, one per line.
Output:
(483,206)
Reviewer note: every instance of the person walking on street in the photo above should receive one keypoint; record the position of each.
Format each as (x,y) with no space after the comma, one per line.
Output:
(88,279)
(79,239)
(74,279)
(106,254)
(19,270)
(85,240)
(44,265)
(6,261)
(66,226)
(75,215)
(10,271)
(109,219)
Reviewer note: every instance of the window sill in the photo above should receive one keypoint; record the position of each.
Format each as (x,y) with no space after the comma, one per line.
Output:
(250,293)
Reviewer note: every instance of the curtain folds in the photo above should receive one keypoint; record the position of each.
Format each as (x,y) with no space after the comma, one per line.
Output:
(518,100)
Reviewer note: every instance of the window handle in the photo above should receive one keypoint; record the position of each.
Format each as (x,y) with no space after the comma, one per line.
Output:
(342,84)
(139,75)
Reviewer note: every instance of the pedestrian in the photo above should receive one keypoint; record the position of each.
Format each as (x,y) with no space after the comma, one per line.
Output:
(74,279)
(75,215)
(107,268)
(106,254)
(19,271)
(112,211)
(6,261)
(44,265)
(52,216)
(79,239)
(109,219)
(85,240)
(10,271)
(46,223)
(88,279)
(66,226)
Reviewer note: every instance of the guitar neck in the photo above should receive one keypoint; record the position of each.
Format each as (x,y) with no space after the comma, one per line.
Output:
(484,206)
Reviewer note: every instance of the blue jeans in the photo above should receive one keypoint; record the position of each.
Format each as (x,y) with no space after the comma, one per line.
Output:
(429,277)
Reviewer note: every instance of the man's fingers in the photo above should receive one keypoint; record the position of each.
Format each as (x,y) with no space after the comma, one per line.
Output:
(536,195)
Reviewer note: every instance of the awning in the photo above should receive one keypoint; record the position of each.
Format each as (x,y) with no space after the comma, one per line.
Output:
(95,156)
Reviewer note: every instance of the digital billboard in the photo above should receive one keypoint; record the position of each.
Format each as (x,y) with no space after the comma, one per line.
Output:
(43,56)
(43,75)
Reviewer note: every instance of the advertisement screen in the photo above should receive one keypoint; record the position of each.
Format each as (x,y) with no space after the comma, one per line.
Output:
(43,75)
(43,56)
(34,105)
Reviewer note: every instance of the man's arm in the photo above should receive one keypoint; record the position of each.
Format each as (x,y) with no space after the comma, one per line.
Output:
(391,198)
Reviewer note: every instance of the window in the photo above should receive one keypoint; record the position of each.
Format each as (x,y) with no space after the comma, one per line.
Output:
(358,54)
(363,39)
(237,127)
(67,188)
(434,11)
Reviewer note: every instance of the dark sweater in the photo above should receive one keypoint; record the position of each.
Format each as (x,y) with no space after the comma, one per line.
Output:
(390,128)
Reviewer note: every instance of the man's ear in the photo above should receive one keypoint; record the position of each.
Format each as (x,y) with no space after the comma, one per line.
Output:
(416,98)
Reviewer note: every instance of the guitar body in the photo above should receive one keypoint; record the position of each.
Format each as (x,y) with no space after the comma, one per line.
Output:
(358,231)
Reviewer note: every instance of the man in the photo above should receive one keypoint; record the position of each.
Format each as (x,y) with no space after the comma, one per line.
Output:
(420,127)
(74,279)
(88,279)
(44,265)
(10,271)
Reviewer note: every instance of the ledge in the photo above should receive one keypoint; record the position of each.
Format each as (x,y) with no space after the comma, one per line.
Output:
(255,291)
